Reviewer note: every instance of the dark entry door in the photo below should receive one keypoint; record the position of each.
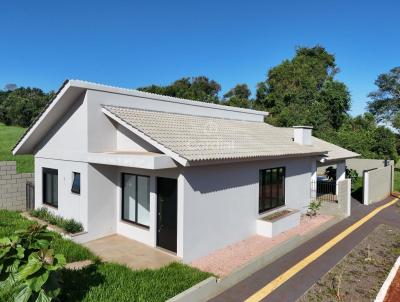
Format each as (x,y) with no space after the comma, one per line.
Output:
(167,213)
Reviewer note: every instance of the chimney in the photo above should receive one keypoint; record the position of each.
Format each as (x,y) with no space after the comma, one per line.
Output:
(302,135)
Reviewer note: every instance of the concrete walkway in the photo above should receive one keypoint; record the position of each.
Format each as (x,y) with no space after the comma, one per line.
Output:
(134,254)
(302,281)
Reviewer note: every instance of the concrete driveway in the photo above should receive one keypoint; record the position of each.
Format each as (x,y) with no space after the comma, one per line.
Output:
(134,254)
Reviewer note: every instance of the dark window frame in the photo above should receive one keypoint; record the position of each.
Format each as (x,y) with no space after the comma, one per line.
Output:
(273,188)
(136,199)
(76,188)
(53,172)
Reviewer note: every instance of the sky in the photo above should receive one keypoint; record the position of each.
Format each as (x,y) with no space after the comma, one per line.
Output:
(137,43)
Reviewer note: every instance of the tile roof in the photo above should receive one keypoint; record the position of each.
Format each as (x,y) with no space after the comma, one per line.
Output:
(334,152)
(198,138)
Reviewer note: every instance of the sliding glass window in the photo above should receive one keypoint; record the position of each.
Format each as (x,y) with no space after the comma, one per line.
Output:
(50,187)
(136,199)
(271,189)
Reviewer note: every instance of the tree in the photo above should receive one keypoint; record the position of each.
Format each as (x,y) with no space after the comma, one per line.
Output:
(363,135)
(303,91)
(385,103)
(238,96)
(198,88)
(22,105)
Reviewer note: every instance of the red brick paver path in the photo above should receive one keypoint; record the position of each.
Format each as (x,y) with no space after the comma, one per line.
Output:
(393,294)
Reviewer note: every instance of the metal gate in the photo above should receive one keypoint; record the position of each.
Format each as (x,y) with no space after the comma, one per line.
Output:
(30,195)
(323,190)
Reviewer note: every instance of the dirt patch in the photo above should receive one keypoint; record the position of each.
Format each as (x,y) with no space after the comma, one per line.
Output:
(277,215)
(359,275)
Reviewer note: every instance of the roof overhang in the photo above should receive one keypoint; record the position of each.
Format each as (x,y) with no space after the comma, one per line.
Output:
(333,160)
(141,160)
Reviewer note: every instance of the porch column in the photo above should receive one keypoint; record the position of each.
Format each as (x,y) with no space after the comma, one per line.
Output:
(313,179)
(340,172)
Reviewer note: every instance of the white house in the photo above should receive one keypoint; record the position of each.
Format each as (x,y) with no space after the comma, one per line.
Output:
(186,176)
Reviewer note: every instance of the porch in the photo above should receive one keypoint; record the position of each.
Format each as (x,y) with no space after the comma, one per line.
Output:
(129,252)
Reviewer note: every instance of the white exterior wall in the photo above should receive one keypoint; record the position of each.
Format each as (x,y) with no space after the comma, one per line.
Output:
(126,140)
(70,205)
(68,139)
(221,201)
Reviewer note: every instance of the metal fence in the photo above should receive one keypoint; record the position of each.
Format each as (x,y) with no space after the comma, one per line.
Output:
(323,190)
(30,195)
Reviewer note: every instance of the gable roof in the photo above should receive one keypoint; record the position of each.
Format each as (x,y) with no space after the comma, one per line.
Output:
(71,89)
(190,139)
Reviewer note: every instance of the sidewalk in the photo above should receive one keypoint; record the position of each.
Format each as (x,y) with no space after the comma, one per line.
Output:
(299,283)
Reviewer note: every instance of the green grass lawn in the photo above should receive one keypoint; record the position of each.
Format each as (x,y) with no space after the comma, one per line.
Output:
(113,282)
(109,281)
(11,221)
(9,135)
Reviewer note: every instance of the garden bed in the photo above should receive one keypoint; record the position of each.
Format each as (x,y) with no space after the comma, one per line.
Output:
(359,275)
(70,226)
(278,222)
(277,215)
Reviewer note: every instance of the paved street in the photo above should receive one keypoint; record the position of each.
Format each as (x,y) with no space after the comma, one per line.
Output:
(299,283)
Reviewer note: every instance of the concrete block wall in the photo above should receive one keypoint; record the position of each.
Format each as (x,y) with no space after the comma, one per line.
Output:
(13,186)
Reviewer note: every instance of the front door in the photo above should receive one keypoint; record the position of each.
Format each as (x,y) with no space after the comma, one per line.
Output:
(167,213)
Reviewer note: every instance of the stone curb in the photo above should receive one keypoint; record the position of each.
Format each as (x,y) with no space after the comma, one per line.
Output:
(212,286)
(385,287)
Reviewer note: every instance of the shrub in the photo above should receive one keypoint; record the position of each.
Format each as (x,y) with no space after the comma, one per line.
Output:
(352,174)
(72,226)
(313,208)
(69,225)
(29,270)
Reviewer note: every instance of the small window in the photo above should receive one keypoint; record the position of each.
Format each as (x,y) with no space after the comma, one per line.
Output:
(76,183)
(50,187)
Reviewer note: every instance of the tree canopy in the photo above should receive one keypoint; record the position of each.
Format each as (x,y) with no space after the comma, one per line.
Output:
(363,135)
(238,96)
(198,88)
(385,101)
(20,106)
(303,91)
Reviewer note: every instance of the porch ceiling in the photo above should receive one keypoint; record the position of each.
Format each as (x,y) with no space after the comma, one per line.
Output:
(142,160)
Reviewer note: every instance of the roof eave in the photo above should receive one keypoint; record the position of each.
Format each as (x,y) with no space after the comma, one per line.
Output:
(253,158)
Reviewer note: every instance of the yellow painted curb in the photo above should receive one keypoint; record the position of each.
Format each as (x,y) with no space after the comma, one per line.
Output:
(278,281)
